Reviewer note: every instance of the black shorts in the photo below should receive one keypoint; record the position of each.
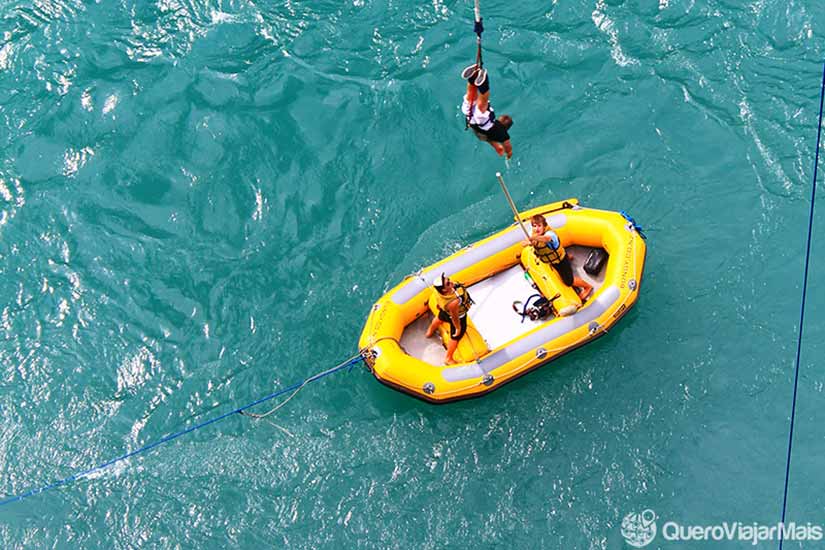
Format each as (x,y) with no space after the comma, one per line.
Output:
(497,133)
(444,316)
(565,271)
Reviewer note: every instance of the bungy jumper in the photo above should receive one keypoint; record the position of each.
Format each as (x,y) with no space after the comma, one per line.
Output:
(478,66)
(478,112)
(499,272)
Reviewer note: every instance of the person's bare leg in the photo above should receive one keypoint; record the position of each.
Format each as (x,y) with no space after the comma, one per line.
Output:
(483,101)
(585,288)
(451,347)
(433,327)
(472,93)
(508,148)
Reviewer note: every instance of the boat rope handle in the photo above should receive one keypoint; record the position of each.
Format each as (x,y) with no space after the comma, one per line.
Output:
(633,224)
(351,362)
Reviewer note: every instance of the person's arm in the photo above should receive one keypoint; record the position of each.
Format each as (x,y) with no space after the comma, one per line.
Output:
(547,237)
(452,309)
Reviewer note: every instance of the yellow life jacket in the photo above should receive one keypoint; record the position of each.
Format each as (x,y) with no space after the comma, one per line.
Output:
(548,254)
(460,293)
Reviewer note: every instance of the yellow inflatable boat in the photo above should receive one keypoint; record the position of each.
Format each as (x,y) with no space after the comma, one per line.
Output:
(501,344)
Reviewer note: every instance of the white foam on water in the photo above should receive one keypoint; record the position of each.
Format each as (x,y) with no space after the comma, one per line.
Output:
(757,7)
(110,104)
(5,52)
(258,213)
(86,100)
(767,155)
(219,17)
(132,372)
(608,27)
(136,429)
(440,8)
(63,309)
(64,81)
(75,160)
(14,196)
(5,192)
(115,469)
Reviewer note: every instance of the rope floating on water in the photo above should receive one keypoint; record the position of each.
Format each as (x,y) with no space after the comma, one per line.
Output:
(351,362)
(802,308)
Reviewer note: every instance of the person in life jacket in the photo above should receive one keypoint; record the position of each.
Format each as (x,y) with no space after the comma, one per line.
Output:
(480,115)
(549,250)
(453,302)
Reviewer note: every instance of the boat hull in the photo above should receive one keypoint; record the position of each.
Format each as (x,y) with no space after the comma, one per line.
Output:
(388,339)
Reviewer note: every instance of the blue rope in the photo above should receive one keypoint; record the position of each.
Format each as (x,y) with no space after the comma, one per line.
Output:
(635,225)
(74,477)
(802,308)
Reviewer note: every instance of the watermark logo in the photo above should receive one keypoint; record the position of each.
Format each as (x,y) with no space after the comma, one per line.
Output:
(639,529)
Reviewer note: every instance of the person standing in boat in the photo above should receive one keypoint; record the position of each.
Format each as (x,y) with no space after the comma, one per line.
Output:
(480,115)
(453,303)
(550,251)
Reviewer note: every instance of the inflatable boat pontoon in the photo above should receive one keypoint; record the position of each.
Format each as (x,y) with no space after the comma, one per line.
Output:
(501,345)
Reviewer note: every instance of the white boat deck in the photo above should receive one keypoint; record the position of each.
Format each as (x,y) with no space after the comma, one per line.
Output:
(492,314)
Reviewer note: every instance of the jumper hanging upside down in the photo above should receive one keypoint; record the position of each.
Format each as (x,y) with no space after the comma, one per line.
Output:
(480,115)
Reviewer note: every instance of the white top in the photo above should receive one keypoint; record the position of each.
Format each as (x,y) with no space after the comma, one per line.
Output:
(482,119)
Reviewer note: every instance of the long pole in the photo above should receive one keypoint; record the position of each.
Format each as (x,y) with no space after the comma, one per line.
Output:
(512,204)
(478,12)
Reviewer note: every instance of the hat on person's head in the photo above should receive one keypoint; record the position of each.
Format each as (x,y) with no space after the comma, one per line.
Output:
(438,284)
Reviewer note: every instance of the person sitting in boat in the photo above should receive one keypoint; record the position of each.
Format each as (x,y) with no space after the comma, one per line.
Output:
(549,250)
(453,302)
(480,115)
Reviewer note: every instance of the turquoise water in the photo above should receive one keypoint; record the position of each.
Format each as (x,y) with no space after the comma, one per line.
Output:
(200,201)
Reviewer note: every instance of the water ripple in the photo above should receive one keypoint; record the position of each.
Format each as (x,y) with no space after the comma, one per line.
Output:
(200,201)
